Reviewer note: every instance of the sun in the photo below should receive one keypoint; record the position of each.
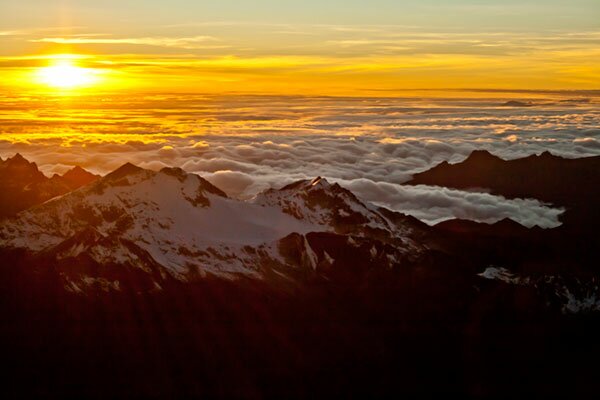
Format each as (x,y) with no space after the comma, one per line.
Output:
(65,74)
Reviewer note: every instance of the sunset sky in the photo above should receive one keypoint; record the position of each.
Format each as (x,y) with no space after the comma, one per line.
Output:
(300,47)
(256,94)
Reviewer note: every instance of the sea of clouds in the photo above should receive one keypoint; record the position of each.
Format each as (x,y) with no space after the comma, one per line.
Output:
(246,144)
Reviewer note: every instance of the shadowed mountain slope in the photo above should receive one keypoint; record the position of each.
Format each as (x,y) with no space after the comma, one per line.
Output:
(24,186)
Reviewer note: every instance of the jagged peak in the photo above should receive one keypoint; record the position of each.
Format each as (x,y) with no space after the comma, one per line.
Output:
(316,181)
(517,103)
(77,177)
(124,170)
(17,156)
(316,189)
(304,184)
(18,160)
(77,171)
(476,156)
(482,155)
(18,165)
(505,226)
(547,154)
(508,222)
(504,221)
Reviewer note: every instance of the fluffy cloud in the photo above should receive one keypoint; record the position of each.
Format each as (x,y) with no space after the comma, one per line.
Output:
(245,144)
(232,182)
(435,204)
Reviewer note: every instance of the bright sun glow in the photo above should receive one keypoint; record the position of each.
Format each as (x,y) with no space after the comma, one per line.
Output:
(64,74)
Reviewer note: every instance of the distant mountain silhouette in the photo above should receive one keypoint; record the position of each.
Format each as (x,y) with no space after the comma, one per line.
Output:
(504,227)
(515,103)
(23,185)
(571,183)
(77,177)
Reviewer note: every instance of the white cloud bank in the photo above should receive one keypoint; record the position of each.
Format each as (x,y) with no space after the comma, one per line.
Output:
(434,204)
(246,144)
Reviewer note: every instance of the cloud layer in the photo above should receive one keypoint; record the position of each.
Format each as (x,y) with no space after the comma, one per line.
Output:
(245,144)
(435,204)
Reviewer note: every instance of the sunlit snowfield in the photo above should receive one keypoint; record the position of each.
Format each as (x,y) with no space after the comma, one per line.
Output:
(245,144)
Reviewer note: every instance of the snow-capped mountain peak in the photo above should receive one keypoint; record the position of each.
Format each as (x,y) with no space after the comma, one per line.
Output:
(182,221)
(321,202)
(178,225)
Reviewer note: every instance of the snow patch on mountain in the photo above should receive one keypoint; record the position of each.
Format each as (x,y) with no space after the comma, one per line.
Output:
(504,275)
(573,295)
(180,219)
(323,203)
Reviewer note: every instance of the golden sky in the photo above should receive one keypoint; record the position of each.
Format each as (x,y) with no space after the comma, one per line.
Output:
(329,47)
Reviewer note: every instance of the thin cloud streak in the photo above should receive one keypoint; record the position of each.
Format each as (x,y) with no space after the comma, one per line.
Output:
(332,59)
(195,42)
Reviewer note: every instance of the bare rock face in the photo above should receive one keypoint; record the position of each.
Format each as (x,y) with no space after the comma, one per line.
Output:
(24,186)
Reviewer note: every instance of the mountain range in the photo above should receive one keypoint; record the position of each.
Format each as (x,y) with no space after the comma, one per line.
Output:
(141,230)
(174,225)
(143,270)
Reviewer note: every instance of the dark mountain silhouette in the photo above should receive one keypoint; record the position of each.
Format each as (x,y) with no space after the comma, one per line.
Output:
(504,227)
(23,185)
(516,103)
(77,177)
(570,183)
